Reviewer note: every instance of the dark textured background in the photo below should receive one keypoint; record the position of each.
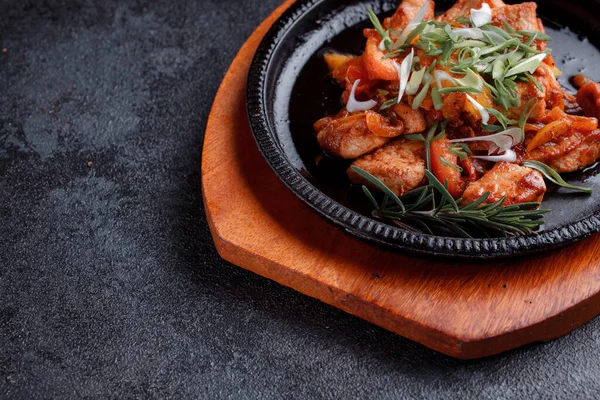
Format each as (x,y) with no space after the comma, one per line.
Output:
(110,285)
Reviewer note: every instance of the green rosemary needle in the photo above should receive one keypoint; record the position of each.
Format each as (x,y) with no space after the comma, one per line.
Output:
(473,220)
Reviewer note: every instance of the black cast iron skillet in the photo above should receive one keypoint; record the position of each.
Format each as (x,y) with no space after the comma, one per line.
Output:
(289,89)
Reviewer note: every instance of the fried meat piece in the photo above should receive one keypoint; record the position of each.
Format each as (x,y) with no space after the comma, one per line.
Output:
(463,8)
(570,152)
(388,126)
(549,97)
(519,185)
(347,136)
(383,68)
(556,148)
(528,91)
(458,110)
(406,11)
(553,93)
(588,96)
(400,165)
(376,65)
(584,155)
(566,142)
(413,120)
(520,16)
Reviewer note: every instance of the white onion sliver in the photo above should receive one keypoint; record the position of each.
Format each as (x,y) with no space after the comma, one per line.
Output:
(501,142)
(443,76)
(355,105)
(404,72)
(515,133)
(509,156)
(485,116)
(470,79)
(399,42)
(482,16)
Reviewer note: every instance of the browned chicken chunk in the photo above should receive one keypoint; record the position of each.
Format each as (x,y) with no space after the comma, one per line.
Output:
(458,110)
(570,153)
(519,185)
(519,16)
(566,142)
(463,8)
(347,137)
(400,165)
(584,155)
(413,120)
(528,91)
(556,148)
(407,10)
(550,96)
(553,92)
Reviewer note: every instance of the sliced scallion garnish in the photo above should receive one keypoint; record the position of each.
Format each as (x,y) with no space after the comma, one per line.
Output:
(383,34)
(421,96)
(528,65)
(436,98)
(463,89)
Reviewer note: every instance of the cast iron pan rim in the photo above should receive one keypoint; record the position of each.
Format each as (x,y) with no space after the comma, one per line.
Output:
(358,224)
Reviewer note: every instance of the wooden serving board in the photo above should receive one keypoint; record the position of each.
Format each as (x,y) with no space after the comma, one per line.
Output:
(465,310)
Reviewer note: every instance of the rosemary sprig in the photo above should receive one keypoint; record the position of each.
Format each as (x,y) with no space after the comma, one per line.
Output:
(415,209)
(461,150)
(503,119)
(491,57)
(553,176)
(431,207)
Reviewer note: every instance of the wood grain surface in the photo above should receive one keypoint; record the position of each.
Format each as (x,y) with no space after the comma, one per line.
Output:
(465,310)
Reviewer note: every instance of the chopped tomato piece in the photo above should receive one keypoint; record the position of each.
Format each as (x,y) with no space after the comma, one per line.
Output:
(444,166)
